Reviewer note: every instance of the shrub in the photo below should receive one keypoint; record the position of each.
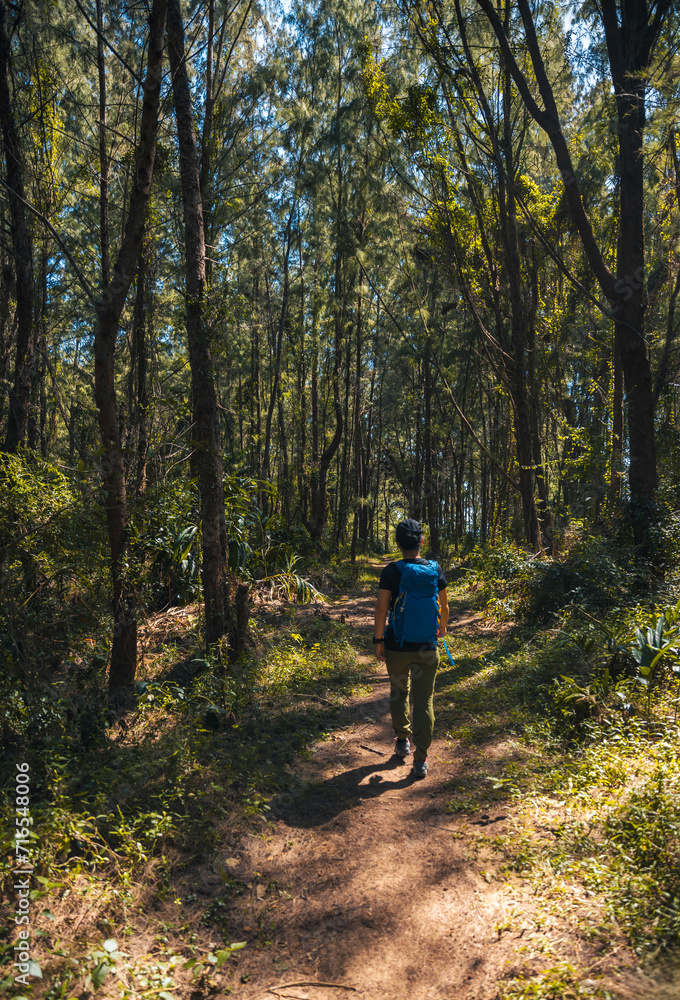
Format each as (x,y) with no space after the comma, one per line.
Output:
(54,562)
(511,581)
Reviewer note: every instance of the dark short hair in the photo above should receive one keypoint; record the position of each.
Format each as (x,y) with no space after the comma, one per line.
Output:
(409,533)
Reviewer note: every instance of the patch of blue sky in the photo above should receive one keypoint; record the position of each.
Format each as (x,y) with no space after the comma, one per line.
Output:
(581,50)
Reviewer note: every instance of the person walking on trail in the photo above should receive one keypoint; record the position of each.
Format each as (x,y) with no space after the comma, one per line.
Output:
(413,592)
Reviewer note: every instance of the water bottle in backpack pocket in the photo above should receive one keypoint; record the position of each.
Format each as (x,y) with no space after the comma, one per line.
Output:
(415,614)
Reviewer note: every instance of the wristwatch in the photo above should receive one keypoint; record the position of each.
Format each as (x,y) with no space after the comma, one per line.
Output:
(376,642)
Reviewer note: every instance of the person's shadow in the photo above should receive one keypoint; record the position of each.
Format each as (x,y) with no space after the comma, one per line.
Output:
(322,800)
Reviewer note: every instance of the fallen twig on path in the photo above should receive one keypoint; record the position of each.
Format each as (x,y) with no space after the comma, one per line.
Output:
(309,982)
(364,747)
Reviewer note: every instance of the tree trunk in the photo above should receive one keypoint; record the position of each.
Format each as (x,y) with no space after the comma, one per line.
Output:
(22,246)
(430,485)
(7,319)
(103,156)
(344,488)
(321,464)
(516,366)
(286,483)
(617,424)
(109,310)
(44,303)
(415,480)
(277,341)
(141,393)
(629,326)
(302,382)
(206,134)
(256,392)
(321,461)
(357,477)
(631,39)
(204,396)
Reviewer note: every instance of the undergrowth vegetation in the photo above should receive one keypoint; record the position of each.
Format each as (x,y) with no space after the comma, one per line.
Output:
(584,681)
(135,800)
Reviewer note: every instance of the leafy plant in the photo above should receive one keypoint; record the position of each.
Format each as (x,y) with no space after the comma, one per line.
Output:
(562,982)
(101,961)
(284,581)
(216,960)
(657,645)
(171,539)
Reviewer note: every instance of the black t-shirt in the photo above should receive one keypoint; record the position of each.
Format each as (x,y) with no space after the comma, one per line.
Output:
(390,578)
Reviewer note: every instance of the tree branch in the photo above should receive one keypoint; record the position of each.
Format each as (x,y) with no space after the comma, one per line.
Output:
(104,39)
(549,121)
(91,295)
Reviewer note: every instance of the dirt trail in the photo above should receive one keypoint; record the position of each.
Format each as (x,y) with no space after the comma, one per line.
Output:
(366,881)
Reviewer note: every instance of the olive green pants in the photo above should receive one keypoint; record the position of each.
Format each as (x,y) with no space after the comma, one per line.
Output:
(414,671)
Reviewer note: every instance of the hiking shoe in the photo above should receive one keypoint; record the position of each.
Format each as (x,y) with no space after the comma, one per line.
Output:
(402,748)
(420,768)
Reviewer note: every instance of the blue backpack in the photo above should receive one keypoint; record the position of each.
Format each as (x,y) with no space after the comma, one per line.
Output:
(415,614)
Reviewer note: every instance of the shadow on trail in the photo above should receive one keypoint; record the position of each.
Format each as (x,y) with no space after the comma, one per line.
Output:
(324,799)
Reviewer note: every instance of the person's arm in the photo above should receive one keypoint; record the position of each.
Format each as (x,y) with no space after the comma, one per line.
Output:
(443,611)
(382,607)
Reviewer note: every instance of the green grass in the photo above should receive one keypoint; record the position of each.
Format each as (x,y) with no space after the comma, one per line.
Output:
(596,806)
(562,982)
